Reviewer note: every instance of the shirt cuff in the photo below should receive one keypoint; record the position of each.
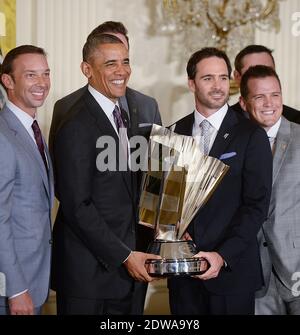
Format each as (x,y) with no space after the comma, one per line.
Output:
(127,257)
(17,294)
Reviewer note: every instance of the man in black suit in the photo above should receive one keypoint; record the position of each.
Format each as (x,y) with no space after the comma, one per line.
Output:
(142,111)
(225,229)
(94,262)
(258,55)
(145,109)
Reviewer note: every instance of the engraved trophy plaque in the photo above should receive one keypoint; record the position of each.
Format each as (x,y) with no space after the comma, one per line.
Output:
(179,181)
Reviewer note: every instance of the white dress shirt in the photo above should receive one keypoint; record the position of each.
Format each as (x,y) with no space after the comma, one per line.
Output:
(23,117)
(215,121)
(272,134)
(106,104)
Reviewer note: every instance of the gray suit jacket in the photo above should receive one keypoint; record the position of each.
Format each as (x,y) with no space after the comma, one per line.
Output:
(145,109)
(26,198)
(279,238)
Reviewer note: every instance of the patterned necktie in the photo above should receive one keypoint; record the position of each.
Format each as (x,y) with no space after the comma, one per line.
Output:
(272,141)
(122,130)
(117,118)
(39,141)
(205,127)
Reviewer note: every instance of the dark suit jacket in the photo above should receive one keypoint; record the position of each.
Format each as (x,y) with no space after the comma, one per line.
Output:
(289,113)
(95,226)
(143,112)
(140,107)
(229,222)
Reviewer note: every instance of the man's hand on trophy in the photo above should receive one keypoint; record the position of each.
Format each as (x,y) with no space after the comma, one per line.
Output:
(187,237)
(135,265)
(215,261)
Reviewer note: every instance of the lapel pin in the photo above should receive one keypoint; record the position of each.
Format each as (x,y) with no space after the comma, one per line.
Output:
(226,135)
(283,146)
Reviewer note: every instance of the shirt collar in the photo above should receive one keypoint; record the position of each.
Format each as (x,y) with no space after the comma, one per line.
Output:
(272,132)
(215,119)
(105,103)
(24,118)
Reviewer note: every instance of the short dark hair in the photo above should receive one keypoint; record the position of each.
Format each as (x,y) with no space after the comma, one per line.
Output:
(7,64)
(94,41)
(110,27)
(202,54)
(248,50)
(258,71)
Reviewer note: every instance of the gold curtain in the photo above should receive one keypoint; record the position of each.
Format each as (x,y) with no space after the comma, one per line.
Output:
(8,8)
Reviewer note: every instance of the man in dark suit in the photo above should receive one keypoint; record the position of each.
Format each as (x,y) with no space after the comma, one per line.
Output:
(94,262)
(225,229)
(258,55)
(144,109)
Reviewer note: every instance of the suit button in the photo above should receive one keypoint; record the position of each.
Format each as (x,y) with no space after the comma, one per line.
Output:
(265,244)
(50,242)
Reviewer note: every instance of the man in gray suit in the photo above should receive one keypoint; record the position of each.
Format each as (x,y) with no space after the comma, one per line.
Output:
(279,238)
(26,184)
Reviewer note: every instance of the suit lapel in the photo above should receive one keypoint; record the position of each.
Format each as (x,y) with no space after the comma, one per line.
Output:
(106,129)
(27,143)
(133,112)
(185,125)
(132,131)
(223,138)
(224,135)
(283,140)
(50,176)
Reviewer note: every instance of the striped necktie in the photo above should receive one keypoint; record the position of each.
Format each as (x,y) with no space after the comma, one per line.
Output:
(122,130)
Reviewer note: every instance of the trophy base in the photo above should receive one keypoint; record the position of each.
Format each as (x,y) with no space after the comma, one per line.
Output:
(177,259)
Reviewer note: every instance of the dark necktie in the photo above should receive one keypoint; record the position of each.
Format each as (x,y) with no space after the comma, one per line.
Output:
(122,130)
(39,141)
(117,118)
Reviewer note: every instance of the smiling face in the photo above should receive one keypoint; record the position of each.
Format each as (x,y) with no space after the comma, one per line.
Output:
(108,70)
(264,101)
(211,85)
(29,83)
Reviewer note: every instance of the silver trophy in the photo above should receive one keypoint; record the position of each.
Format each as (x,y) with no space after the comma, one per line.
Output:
(179,181)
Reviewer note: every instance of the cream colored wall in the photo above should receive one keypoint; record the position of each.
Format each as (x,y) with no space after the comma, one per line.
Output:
(61,26)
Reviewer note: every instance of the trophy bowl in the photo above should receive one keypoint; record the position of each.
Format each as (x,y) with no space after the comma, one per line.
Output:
(178,182)
(177,259)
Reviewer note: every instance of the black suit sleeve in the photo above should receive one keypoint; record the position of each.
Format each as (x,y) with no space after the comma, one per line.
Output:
(255,193)
(157,117)
(54,126)
(291,114)
(75,158)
